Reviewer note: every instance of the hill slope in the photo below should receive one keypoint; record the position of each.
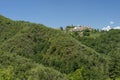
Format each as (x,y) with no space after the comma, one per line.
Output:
(14,67)
(106,43)
(51,48)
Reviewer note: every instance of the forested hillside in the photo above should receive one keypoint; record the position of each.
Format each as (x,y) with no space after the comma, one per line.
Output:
(107,44)
(30,51)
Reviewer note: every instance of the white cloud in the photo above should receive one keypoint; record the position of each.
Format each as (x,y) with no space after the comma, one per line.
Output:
(118,27)
(111,22)
(106,28)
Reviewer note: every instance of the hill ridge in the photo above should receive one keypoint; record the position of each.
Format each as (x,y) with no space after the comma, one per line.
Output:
(53,48)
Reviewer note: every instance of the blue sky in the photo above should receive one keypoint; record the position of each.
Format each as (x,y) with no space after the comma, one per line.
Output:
(56,13)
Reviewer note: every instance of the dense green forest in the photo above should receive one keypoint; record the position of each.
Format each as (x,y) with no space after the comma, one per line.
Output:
(30,51)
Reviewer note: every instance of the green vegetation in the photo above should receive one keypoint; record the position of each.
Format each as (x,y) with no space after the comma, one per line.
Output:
(106,44)
(30,51)
(15,67)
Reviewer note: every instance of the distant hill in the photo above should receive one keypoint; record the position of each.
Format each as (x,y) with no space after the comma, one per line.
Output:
(57,54)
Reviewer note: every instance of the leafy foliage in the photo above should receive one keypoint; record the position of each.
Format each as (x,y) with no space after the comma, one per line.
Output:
(108,45)
(14,67)
(30,51)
